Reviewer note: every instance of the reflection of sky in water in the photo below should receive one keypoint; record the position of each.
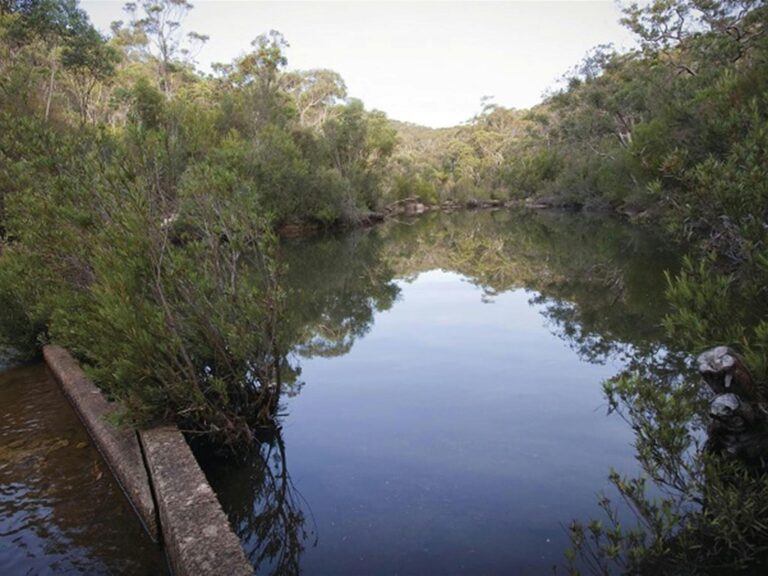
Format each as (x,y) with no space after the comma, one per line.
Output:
(458,436)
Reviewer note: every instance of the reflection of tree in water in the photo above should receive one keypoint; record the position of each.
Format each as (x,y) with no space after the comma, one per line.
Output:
(699,504)
(271,518)
(690,511)
(334,286)
(564,319)
(599,281)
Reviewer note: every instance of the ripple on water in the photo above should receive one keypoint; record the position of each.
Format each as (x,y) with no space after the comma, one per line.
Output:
(60,509)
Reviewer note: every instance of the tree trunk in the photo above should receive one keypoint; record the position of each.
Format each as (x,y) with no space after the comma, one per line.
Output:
(50,86)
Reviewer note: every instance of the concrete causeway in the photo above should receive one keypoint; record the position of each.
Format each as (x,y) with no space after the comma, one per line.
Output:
(119,446)
(161,479)
(197,535)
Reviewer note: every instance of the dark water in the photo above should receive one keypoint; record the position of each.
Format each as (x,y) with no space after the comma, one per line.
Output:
(60,510)
(446,413)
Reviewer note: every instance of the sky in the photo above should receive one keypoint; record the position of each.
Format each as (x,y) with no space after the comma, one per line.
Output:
(425,62)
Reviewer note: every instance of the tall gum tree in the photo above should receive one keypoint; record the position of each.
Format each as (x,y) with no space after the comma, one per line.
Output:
(161,27)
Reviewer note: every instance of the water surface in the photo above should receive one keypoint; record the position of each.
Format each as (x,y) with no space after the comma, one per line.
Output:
(61,511)
(445,414)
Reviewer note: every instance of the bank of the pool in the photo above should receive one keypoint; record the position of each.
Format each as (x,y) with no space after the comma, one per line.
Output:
(160,477)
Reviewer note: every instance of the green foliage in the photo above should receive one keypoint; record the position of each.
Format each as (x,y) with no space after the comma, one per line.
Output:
(18,329)
(139,199)
(133,186)
(700,153)
(694,512)
(174,315)
(710,307)
(148,106)
(410,186)
(703,310)
(674,131)
(705,513)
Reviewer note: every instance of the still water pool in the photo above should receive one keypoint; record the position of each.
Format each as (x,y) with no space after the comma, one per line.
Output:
(445,414)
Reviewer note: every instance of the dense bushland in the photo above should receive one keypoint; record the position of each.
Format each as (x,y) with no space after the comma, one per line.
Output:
(139,199)
(673,131)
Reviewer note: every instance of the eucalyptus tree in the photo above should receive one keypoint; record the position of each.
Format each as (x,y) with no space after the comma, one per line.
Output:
(701,30)
(90,61)
(315,94)
(159,31)
(58,33)
(259,73)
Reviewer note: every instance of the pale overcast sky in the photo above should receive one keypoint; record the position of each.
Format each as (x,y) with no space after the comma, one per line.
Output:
(423,62)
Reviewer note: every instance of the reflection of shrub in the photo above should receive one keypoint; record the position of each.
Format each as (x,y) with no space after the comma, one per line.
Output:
(265,509)
(707,513)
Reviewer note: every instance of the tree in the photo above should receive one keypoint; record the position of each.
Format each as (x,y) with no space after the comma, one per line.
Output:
(258,73)
(698,29)
(161,25)
(59,25)
(90,60)
(315,93)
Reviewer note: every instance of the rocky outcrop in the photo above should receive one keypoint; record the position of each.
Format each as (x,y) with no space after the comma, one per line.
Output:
(738,418)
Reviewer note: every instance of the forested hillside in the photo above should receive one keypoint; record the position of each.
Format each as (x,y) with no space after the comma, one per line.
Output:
(674,131)
(674,134)
(145,195)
